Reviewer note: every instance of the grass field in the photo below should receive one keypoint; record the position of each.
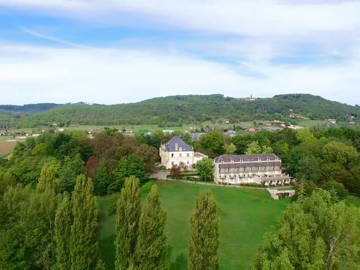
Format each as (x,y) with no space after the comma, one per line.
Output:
(245,215)
(135,128)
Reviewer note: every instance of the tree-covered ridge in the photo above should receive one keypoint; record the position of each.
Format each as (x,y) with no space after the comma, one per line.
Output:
(194,108)
(29,108)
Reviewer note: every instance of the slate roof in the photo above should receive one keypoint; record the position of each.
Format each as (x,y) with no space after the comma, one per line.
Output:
(249,164)
(250,159)
(176,143)
(195,137)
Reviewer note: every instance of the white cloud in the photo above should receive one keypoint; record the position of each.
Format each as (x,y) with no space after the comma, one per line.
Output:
(255,18)
(43,74)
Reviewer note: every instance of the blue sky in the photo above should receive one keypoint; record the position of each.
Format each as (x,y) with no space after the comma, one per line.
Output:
(108,51)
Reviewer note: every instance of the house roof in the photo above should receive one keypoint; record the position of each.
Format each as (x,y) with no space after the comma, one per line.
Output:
(195,137)
(176,143)
(249,164)
(247,158)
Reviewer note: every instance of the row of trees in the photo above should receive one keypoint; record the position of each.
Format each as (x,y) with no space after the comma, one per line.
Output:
(108,159)
(327,158)
(49,229)
(141,242)
(45,229)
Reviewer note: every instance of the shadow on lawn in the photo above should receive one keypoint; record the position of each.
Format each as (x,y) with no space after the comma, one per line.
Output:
(180,263)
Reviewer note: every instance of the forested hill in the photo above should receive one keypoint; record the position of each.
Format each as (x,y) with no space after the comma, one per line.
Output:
(193,108)
(29,108)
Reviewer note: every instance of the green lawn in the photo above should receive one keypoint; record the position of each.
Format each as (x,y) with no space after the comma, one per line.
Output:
(245,215)
(310,123)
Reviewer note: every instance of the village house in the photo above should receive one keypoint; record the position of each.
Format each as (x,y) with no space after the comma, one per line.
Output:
(261,169)
(230,133)
(195,137)
(178,153)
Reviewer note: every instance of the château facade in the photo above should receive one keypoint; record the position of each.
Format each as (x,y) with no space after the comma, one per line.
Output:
(178,153)
(261,169)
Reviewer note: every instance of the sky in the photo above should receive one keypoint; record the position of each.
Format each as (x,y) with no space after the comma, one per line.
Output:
(120,51)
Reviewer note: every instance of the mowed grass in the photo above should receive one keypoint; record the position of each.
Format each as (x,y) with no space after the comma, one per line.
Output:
(244,215)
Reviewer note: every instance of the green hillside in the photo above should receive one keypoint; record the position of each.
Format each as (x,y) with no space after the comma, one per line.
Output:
(193,108)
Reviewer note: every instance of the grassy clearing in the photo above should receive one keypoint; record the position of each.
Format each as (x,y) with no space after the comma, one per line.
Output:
(310,123)
(245,215)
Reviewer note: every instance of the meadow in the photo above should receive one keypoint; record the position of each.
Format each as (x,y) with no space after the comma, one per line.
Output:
(245,215)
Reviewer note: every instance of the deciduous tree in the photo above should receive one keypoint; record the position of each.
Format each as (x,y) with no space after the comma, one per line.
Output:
(205,169)
(314,233)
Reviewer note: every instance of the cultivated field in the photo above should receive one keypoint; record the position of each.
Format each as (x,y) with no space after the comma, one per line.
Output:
(6,147)
(245,215)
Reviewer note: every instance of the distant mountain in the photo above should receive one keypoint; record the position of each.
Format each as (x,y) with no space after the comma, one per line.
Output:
(29,108)
(188,109)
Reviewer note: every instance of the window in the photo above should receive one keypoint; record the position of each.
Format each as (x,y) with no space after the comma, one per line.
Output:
(180,155)
(172,155)
(188,155)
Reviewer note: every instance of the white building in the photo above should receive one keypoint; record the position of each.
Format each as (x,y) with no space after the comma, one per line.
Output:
(178,153)
(261,169)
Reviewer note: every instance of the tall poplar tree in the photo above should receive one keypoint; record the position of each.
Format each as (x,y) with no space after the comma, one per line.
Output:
(48,177)
(63,222)
(39,226)
(152,249)
(204,241)
(84,250)
(127,224)
(38,222)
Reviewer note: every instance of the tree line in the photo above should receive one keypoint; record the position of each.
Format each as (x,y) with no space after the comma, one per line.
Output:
(176,110)
(49,229)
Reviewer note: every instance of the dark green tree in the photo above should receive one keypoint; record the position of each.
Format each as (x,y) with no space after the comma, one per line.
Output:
(204,241)
(213,143)
(63,223)
(205,169)
(127,223)
(102,180)
(12,233)
(152,248)
(128,166)
(84,250)
(70,170)
(38,221)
